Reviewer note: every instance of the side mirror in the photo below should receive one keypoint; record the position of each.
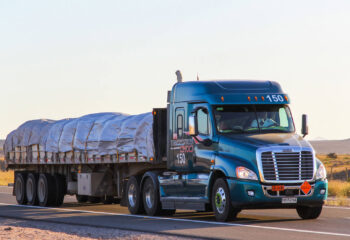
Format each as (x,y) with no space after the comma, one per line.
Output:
(192,127)
(304,126)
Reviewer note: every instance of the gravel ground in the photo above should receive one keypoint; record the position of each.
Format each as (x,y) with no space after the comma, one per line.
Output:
(23,229)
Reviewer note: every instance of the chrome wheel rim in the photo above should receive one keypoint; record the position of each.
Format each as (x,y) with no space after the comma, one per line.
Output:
(149,196)
(220,200)
(132,195)
(41,190)
(30,189)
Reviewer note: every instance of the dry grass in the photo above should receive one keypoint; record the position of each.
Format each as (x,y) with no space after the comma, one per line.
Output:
(339,201)
(339,188)
(6,177)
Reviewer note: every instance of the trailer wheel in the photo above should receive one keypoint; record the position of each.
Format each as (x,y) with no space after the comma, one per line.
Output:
(81,198)
(31,189)
(221,202)
(46,190)
(306,212)
(151,201)
(133,196)
(20,188)
(61,188)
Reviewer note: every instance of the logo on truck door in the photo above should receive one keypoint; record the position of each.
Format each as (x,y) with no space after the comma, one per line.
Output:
(183,150)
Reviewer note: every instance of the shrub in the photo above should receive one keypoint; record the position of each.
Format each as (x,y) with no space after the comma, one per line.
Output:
(332,155)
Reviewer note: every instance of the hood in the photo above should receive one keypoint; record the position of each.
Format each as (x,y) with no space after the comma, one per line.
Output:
(270,139)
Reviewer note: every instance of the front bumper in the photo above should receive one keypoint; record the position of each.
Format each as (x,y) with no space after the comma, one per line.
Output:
(261,199)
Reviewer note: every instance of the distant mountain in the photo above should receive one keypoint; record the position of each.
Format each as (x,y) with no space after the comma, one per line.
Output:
(332,146)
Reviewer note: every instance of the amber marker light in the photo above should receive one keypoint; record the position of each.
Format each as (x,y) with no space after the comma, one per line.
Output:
(222,98)
(262,98)
(212,161)
(249,99)
(285,97)
(154,113)
(151,159)
(256,98)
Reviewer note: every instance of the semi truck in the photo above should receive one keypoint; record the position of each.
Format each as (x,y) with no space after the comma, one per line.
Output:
(220,146)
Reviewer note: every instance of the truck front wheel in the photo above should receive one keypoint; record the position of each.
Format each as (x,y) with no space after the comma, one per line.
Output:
(221,202)
(133,196)
(306,212)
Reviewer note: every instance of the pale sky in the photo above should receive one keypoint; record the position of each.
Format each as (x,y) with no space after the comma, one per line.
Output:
(62,59)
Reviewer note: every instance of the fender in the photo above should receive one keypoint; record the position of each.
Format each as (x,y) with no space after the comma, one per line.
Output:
(227,163)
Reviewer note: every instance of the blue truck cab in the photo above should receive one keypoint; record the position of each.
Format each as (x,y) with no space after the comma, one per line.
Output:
(232,145)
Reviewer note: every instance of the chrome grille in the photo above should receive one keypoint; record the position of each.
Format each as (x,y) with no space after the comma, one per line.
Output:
(287,166)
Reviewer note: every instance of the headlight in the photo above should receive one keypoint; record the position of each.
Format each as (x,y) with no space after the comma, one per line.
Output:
(321,172)
(245,173)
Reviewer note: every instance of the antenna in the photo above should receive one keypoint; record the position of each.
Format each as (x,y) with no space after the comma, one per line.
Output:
(197,77)
(179,76)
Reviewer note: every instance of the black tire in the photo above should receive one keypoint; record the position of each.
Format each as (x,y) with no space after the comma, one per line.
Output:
(20,188)
(150,197)
(31,189)
(94,199)
(46,190)
(306,212)
(221,202)
(133,196)
(81,198)
(108,200)
(61,189)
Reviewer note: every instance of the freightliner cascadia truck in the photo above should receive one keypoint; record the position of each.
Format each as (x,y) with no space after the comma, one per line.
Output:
(219,146)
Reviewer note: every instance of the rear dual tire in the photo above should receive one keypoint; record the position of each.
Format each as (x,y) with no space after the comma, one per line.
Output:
(145,199)
(133,196)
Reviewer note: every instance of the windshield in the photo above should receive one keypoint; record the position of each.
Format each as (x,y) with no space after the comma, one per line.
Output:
(253,118)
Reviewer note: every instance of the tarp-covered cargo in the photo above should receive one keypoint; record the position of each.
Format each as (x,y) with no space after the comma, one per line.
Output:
(101,136)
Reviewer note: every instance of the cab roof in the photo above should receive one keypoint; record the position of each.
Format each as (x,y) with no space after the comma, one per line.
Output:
(227,92)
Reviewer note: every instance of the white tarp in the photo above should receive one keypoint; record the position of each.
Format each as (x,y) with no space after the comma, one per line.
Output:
(99,134)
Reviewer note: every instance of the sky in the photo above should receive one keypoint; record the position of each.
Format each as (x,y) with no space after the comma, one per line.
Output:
(61,59)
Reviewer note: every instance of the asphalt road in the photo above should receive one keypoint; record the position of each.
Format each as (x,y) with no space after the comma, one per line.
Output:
(334,222)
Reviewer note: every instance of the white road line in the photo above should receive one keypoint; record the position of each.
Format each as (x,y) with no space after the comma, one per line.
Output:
(184,220)
(347,208)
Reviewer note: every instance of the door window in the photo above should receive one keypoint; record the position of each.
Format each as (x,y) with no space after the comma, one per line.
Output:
(180,125)
(203,122)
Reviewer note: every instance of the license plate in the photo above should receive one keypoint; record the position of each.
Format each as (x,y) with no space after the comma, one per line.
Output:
(289,200)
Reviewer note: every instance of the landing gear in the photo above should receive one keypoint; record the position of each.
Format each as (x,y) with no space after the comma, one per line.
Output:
(221,202)
(133,195)
(306,212)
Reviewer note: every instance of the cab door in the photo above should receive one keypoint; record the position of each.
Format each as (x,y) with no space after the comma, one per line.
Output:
(205,148)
